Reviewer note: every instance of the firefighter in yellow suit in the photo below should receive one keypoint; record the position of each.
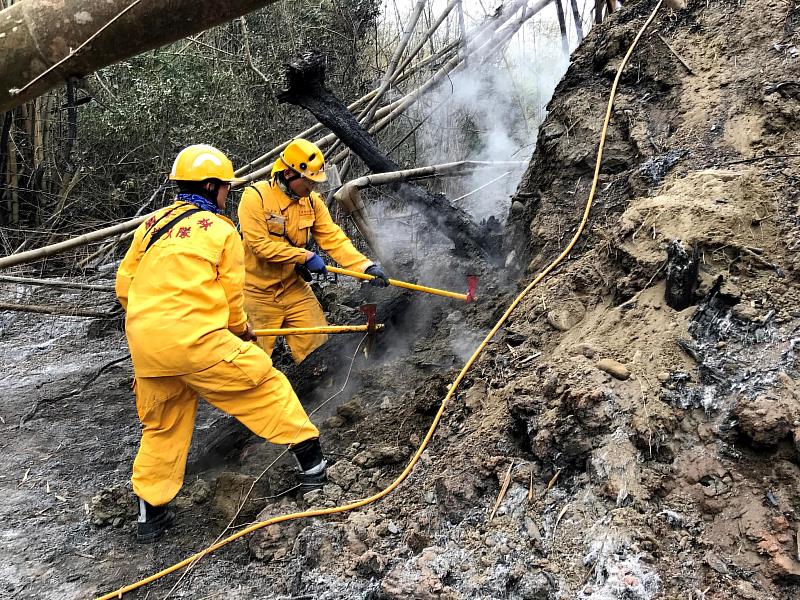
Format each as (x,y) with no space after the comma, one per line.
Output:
(277,218)
(181,284)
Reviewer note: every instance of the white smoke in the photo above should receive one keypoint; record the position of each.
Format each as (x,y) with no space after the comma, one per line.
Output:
(491,111)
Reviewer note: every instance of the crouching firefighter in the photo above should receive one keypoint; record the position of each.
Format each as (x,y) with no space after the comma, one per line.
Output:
(278,217)
(181,283)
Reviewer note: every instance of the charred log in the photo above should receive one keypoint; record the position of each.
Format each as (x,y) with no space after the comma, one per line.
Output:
(305,78)
(682,267)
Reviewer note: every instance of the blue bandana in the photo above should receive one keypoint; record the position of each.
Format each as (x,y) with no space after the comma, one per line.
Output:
(200,202)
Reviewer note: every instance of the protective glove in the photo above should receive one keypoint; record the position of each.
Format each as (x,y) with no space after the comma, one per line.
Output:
(315,263)
(381,280)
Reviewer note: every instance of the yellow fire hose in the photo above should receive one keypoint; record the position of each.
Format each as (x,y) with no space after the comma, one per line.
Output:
(369,500)
(314,330)
(403,284)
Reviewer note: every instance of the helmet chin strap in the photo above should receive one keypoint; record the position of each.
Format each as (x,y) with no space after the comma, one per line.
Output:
(283,183)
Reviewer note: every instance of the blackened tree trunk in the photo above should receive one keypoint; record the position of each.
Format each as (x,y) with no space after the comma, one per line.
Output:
(305,79)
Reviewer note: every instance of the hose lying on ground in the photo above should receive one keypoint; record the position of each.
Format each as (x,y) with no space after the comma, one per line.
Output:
(412,463)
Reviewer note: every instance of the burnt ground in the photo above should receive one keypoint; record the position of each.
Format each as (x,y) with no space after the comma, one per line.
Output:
(72,432)
(653,453)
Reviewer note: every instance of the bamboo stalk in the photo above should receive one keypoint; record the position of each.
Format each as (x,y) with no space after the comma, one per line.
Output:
(426,36)
(81,240)
(456,64)
(311,131)
(401,284)
(318,330)
(57,283)
(598,11)
(576,17)
(369,111)
(485,185)
(474,42)
(64,311)
(562,26)
(13,179)
(462,28)
(422,172)
(62,199)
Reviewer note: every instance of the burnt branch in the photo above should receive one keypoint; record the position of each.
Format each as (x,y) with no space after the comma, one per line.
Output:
(305,79)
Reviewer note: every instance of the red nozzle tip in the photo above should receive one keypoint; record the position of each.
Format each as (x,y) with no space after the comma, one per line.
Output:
(472,286)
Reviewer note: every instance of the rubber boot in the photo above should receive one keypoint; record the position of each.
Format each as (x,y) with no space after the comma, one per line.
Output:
(311,463)
(153,522)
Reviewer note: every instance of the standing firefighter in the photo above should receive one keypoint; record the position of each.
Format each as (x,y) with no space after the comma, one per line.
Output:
(278,218)
(181,285)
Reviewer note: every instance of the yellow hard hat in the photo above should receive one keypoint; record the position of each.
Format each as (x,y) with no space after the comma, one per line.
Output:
(200,162)
(303,157)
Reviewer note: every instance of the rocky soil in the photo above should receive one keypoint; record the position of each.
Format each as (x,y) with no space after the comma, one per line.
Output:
(645,452)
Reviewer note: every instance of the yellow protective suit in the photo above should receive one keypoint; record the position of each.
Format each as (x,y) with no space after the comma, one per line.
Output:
(276,230)
(184,303)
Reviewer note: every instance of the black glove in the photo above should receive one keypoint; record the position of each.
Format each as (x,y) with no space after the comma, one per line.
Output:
(303,271)
(381,280)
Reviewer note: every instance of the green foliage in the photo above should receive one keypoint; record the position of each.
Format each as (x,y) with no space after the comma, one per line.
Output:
(205,90)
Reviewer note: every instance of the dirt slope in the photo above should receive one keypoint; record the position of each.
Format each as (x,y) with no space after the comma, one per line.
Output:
(676,463)
(652,453)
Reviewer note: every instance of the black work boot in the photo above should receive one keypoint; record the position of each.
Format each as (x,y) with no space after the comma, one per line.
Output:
(153,522)
(311,462)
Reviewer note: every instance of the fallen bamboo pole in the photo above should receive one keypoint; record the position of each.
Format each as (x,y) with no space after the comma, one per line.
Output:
(57,283)
(386,114)
(81,240)
(369,111)
(63,311)
(402,284)
(475,40)
(317,330)
(422,172)
(456,64)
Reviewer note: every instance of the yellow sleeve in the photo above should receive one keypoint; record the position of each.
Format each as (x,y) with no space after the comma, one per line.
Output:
(230,274)
(253,224)
(127,268)
(330,237)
